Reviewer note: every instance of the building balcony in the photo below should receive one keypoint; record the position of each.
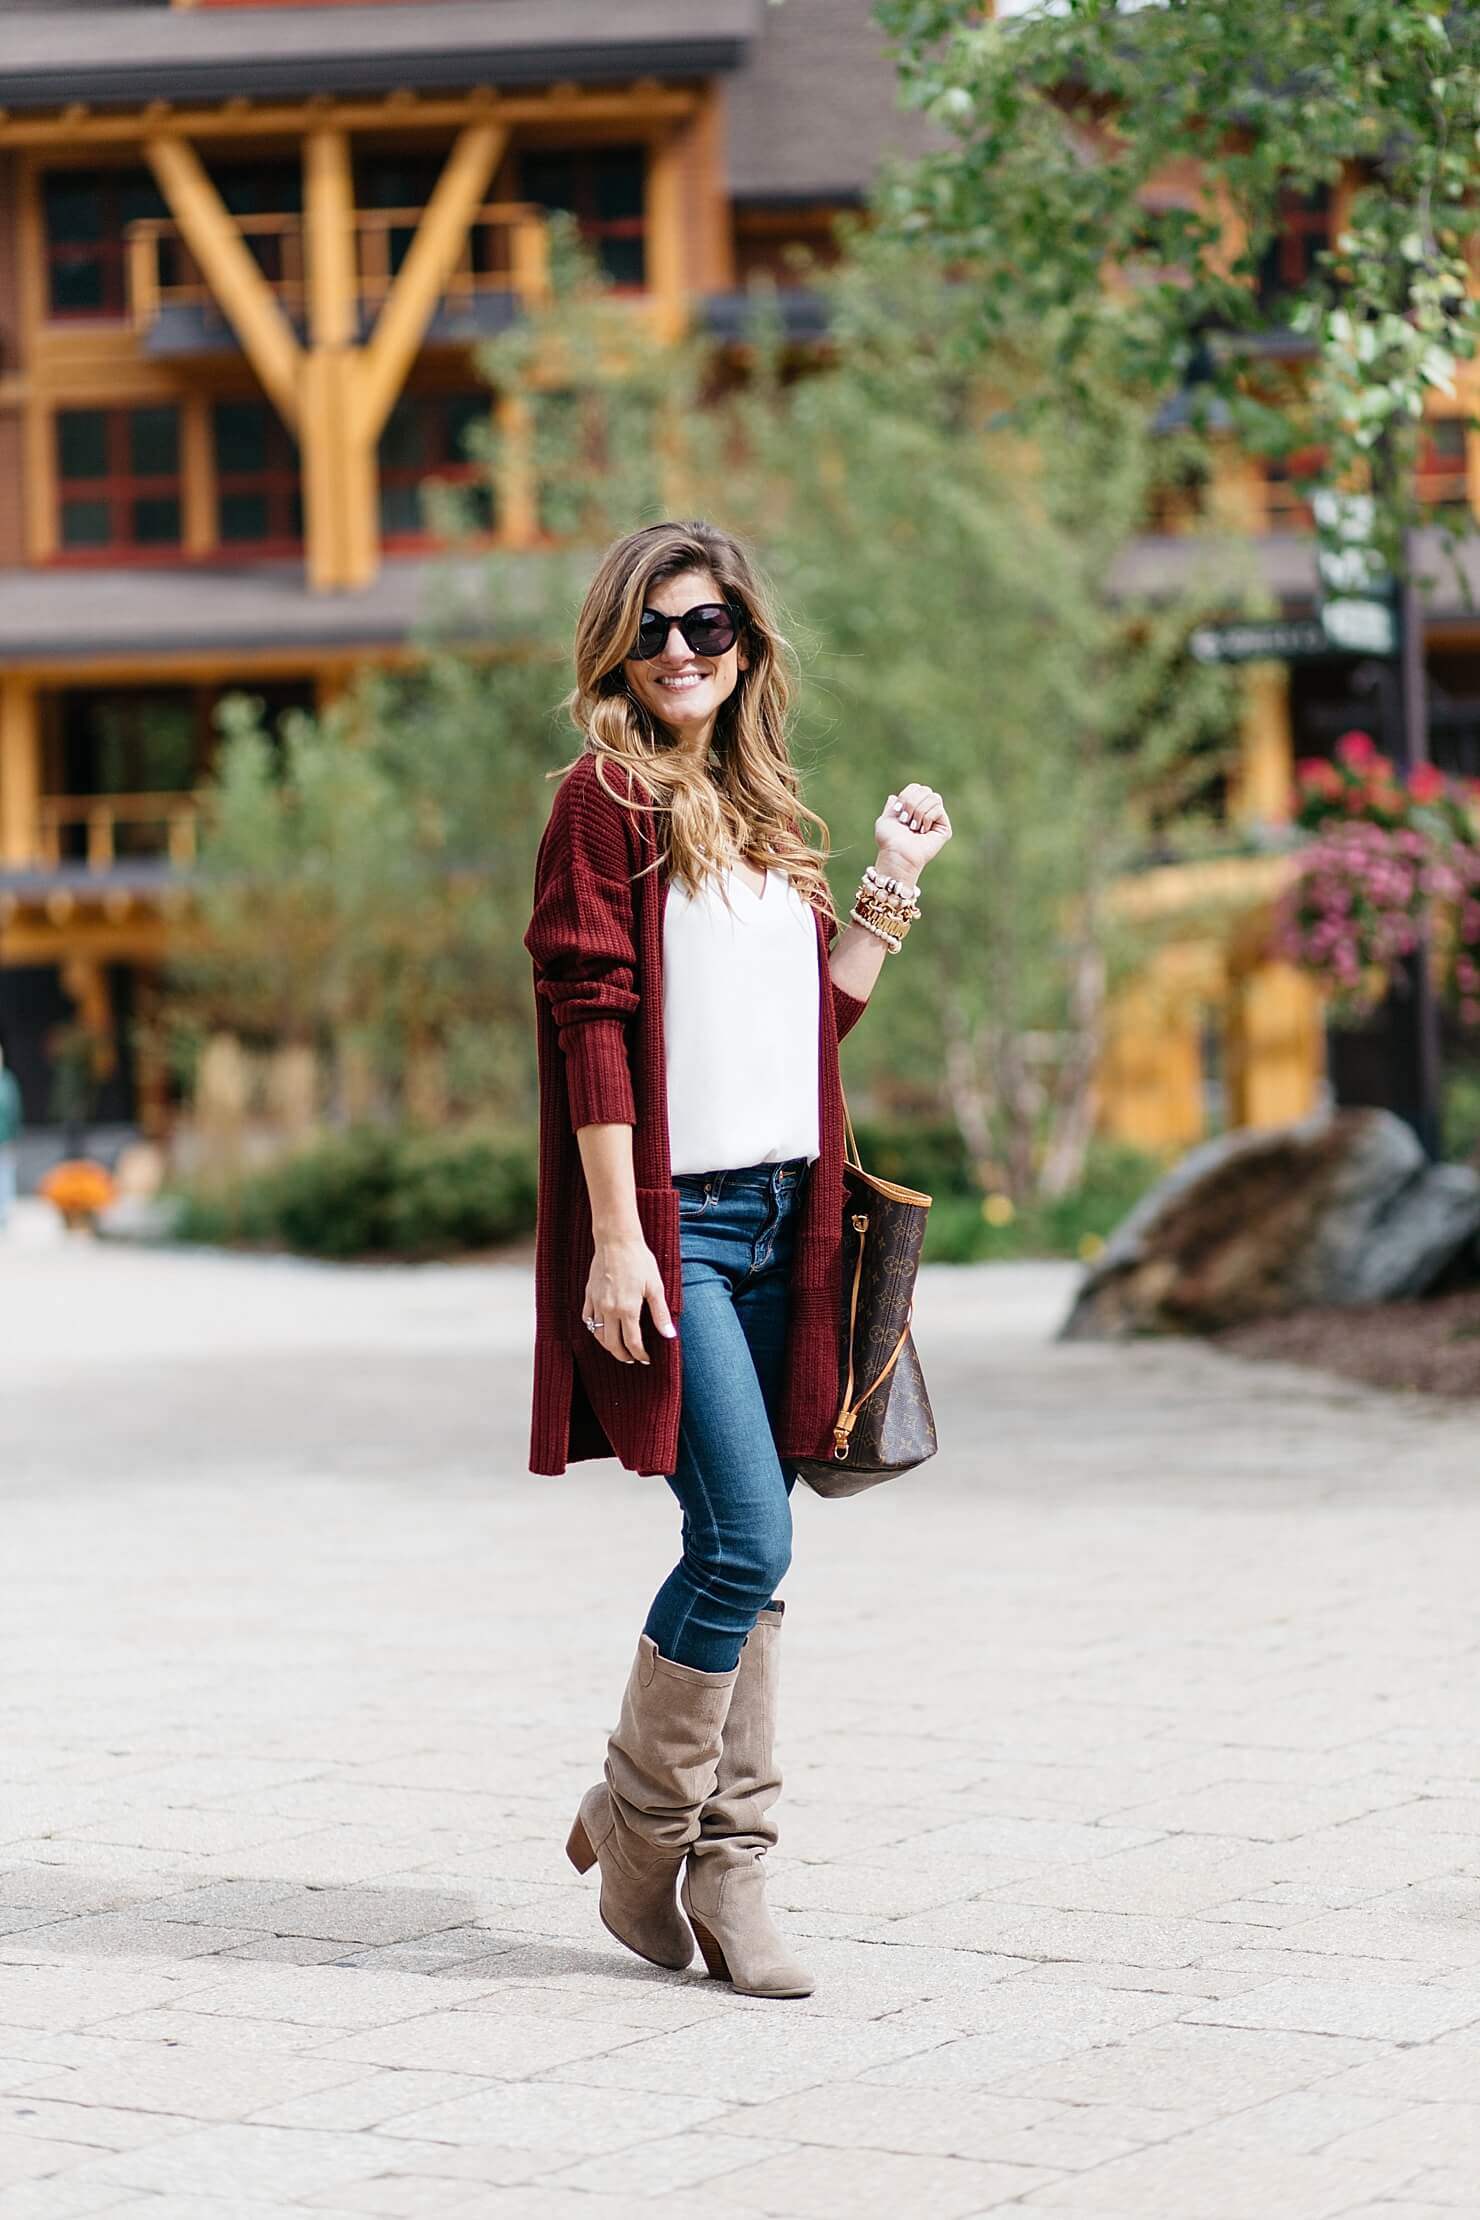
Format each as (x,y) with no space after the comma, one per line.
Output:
(102,832)
(501,272)
(98,863)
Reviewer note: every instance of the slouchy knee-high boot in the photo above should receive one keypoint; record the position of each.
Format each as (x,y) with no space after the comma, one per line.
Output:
(724,1890)
(639,1822)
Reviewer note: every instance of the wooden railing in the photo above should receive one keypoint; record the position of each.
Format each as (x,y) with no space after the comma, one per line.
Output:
(506,250)
(155,826)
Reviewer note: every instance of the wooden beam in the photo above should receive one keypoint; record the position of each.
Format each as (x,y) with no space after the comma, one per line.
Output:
(241,291)
(666,257)
(327,430)
(20,771)
(288,661)
(440,237)
(329,236)
(1274,1046)
(198,473)
(290,121)
(1264,787)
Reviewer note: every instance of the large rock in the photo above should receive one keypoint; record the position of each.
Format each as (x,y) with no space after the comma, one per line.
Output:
(1343,1207)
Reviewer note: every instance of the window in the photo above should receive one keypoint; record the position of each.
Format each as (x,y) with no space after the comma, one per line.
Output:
(1288,504)
(259,492)
(393,181)
(129,741)
(426,437)
(118,477)
(85,213)
(264,189)
(1442,473)
(604,188)
(404,181)
(1289,261)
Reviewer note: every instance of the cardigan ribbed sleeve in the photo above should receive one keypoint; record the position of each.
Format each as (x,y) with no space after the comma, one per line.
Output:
(581,939)
(847,1009)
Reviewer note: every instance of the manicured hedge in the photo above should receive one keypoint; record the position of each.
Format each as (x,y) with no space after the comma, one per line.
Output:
(376,1191)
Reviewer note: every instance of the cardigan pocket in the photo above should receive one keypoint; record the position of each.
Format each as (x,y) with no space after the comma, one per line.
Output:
(658,1222)
(657,1214)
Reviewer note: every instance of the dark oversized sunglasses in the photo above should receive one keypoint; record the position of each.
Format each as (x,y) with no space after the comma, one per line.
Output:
(708,628)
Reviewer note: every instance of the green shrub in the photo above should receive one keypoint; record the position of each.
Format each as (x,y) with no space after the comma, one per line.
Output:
(376,1191)
(1462,1114)
(930,1156)
(1115,1179)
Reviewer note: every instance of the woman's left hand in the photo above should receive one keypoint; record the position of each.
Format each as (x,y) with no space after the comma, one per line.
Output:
(911,830)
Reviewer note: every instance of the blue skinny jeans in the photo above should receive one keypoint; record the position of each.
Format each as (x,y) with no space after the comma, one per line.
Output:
(737,1233)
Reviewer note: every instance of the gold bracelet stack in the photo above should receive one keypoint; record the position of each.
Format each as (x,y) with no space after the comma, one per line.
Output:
(885,907)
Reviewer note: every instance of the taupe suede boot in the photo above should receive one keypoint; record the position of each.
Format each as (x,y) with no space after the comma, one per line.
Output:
(640,1820)
(724,1889)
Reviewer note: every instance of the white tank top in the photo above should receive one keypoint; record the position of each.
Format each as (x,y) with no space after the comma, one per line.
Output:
(740,1024)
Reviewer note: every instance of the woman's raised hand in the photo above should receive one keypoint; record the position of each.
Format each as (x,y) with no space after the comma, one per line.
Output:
(910,831)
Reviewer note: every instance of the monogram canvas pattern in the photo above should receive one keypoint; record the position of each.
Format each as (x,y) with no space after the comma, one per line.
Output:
(894,1429)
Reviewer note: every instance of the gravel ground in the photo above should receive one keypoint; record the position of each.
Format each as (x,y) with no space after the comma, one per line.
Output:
(1432,1346)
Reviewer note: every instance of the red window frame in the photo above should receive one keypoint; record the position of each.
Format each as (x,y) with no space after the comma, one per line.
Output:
(1286,509)
(279,482)
(109,249)
(595,229)
(119,487)
(1443,479)
(1304,225)
(438,457)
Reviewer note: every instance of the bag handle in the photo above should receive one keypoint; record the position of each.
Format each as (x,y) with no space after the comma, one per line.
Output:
(851,1138)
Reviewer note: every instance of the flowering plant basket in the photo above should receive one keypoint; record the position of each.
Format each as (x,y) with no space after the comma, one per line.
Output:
(78,1189)
(1389,859)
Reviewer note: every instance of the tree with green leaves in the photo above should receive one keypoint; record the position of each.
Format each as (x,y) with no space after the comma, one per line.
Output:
(1119,175)
(1122,175)
(360,877)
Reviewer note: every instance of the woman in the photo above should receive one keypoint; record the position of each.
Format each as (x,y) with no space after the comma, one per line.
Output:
(692,985)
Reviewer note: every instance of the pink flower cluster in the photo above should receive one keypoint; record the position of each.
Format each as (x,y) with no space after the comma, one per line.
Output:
(1390,859)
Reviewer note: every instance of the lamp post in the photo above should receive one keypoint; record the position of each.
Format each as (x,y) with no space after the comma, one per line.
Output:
(1413,1010)
(1365,607)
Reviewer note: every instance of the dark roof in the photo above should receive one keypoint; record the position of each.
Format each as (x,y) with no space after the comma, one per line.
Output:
(814,109)
(1159,565)
(117,57)
(85,616)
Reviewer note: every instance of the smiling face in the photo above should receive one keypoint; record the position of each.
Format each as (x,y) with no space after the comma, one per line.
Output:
(683,690)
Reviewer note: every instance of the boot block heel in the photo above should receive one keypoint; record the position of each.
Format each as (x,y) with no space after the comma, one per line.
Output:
(579,1848)
(713,1956)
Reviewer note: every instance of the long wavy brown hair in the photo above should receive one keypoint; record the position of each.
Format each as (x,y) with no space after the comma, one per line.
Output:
(746,801)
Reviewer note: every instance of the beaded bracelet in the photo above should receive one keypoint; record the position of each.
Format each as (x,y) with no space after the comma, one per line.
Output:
(891,886)
(884,908)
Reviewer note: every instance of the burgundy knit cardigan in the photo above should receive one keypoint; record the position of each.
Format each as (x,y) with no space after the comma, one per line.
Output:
(596,938)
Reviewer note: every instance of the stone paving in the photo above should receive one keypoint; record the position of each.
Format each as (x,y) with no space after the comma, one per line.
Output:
(1132,1822)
